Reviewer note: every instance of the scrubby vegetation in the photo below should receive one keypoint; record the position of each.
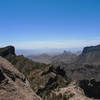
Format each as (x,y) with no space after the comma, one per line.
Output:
(44,78)
(53,96)
(47,80)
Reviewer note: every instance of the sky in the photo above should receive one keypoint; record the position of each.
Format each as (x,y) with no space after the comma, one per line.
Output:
(29,24)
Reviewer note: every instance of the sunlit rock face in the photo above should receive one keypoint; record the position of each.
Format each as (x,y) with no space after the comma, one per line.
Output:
(13,84)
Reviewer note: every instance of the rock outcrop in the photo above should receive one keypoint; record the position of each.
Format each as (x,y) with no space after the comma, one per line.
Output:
(90,55)
(9,50)
(71,92)
(13,84)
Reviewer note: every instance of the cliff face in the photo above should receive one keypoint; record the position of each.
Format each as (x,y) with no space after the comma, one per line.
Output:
(90,55)
(13,84)
(91,49)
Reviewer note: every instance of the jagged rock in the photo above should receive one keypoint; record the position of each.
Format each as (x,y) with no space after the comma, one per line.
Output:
(56,70)
(55,78)
(13,84)
(72,92)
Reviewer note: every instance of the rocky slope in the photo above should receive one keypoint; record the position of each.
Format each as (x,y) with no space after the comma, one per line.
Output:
(65,57)
(43,58)
(86,66)
(86,69)
(13,84)
(54,82)
(43,78)
(72,92)
(90,55)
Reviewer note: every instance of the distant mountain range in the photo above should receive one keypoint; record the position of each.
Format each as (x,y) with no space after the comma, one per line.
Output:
(65,57)
(48,51)
(86,65)
(56,80)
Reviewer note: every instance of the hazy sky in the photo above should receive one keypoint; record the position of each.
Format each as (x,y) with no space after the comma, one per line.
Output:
(49,23)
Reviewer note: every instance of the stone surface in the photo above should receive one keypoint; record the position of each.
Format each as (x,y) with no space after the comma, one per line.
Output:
(73,92)
(13,84)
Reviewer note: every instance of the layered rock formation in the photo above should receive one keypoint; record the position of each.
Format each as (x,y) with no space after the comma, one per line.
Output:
(90,55)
